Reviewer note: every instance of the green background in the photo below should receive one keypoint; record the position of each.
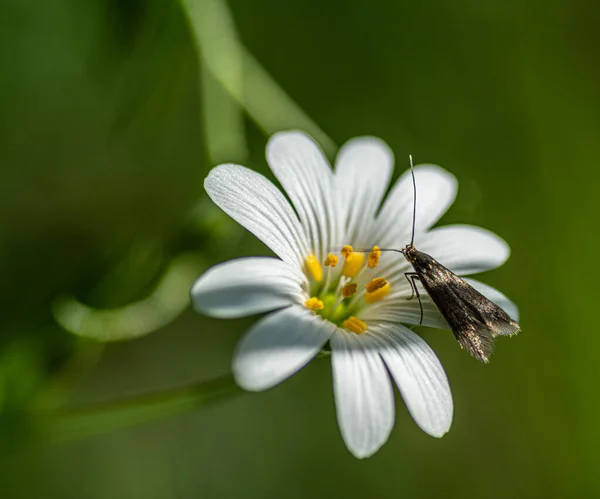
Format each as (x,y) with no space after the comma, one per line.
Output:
(111,115)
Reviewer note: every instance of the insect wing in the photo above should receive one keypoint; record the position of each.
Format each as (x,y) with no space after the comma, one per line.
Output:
(474,320)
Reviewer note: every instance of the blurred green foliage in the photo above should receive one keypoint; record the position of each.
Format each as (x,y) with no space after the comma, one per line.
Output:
(112,114)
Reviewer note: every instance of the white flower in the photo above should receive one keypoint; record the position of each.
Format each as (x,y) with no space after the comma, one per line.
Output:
(313,299)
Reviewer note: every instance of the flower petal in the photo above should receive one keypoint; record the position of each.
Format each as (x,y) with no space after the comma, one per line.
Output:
(364,397)
(498,298)
(436,191)
(362,174)
(254,202)
(277,346)
(465,249)
(247,286)
(304,172)
(405,311)
(420,377)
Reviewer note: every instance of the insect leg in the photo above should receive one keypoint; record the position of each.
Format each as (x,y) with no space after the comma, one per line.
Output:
(412,277)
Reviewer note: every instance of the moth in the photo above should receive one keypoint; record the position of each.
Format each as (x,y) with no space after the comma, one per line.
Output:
(474,320)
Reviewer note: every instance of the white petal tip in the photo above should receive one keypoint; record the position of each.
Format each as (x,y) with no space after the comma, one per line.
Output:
(219,177)
(502,250)
(438,433)
(437,429)
(250,378)
(363,454)
(249,385)
(285,141)
(292,133)
(197,296)
(369,145)
(365,451)
(437,172)
(371,151)
(219,170)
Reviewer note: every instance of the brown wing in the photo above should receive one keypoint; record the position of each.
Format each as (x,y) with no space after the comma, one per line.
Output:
(474,320)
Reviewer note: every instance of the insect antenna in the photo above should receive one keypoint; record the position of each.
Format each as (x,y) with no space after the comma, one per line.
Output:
(414,221)
(368,250)
(414,217)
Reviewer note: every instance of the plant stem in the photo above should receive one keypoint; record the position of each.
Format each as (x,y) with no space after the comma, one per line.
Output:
(105,417)
(242,76)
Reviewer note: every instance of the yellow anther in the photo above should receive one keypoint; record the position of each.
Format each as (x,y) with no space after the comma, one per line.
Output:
(355,325)
(375,284)
(331,261)
(374,257)
(354,262)
(348,290)
(314,304)
(314,267)
(377,289)
(347,251)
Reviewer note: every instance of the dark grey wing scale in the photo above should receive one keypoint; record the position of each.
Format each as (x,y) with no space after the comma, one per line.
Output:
(474,320)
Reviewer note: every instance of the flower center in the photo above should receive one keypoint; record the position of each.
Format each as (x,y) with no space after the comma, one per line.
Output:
(341,294)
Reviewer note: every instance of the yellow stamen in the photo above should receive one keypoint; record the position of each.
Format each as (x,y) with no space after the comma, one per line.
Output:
(377,289)
(354,262)
(355,325)
(374,257)
(347,251)
(375,284)
(331,261)
(348,290)
(314,267)
(314,304)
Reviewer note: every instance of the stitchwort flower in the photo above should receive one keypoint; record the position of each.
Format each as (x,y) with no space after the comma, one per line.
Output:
(322,293)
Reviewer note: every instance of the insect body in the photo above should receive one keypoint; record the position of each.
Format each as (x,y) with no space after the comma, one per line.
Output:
(474,320)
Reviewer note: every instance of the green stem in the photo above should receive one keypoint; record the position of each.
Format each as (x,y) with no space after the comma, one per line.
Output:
(241,75)
(105,417)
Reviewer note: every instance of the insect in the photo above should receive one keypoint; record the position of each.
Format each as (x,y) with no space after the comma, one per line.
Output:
(474,320)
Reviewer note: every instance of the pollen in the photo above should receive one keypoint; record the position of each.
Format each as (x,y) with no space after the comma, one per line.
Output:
(314,267)
(377,289)
(347,251)
(354,262)
(374,257)
(355,325)
(314,304)
(331,260)
(348,290)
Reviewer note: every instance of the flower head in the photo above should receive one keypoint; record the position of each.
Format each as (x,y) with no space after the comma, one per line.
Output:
(332,284)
